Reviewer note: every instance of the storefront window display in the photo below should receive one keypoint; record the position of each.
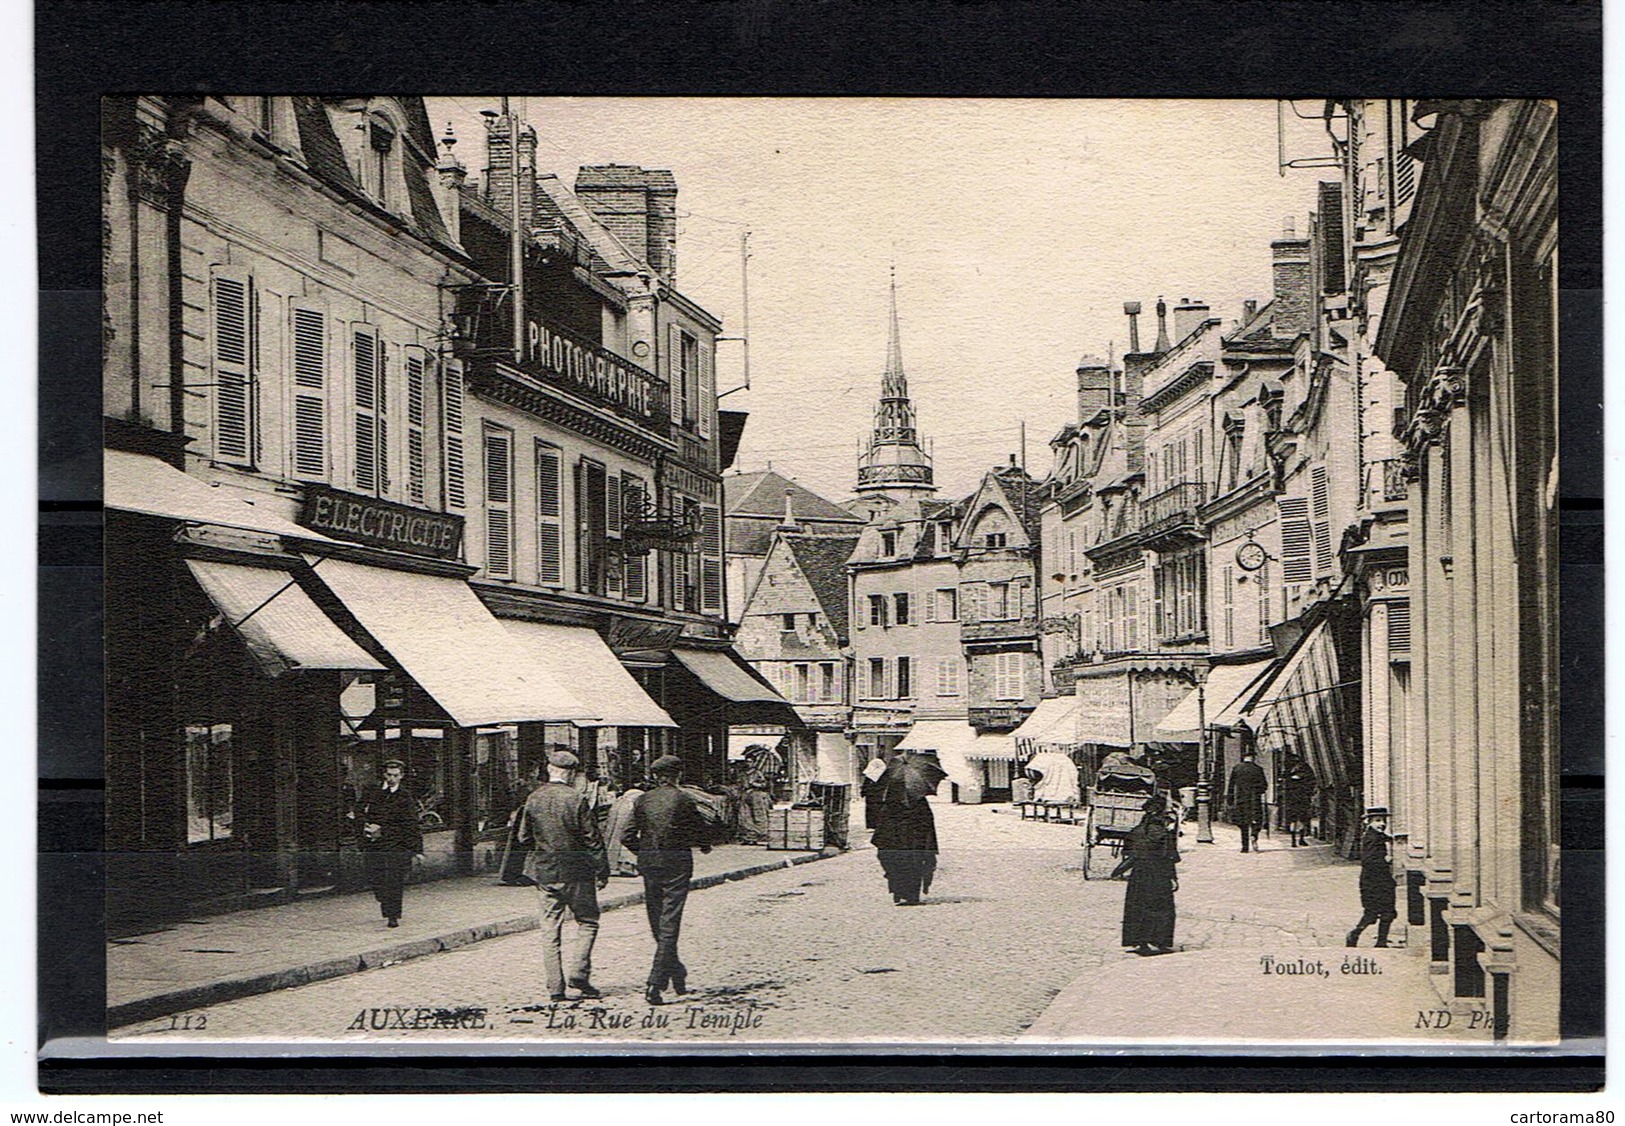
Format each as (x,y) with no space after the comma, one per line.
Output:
(362,752)
(496,777)
(209,782)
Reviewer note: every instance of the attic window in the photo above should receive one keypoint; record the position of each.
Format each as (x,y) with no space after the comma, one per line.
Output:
(377,160)
(994,539)
(888,543)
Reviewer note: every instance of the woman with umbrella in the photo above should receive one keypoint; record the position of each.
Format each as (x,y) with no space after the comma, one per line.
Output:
(905,835)
(1150,853)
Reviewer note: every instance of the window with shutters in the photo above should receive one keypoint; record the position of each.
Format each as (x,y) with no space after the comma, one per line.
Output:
(1131,617)
(877,609)
(592,527)
(948,676)
(904,683)
(309,336)
(900,608)
(1181,596)
(236,348)
(826,688)
(635,584)
(549,515)
(498,502)
(1007,676)
(451,415)
(1399,629)
(877,678)
(1320,512)
(947,604)
(707,389)
(1297,561)
(710,559)
(998,602)
(416,461)
(975,603)
(365,370)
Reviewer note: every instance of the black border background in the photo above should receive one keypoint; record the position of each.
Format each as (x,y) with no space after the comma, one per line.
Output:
(1120,48)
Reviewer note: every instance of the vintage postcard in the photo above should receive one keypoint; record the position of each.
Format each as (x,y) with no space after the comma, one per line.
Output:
(877,574)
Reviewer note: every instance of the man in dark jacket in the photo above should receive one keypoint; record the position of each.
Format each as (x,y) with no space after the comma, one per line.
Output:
(1376,880)
(666,827)
(569,866)
(390,838)
(1248,785)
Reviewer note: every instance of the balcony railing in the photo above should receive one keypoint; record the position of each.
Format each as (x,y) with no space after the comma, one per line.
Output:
(1173,508)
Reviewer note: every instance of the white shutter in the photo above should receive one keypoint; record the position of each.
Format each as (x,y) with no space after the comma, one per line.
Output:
(1262,578)
(1321,515)
(415,470)
(364,356)
(711,559)
(637,566)
(233,368)
(708,390)
(1227,578)
(549,516)
(1296,564)
(386,482)
(948,676)
(930,600)
(451,382)
(613,576)
(674,371)
(309,393)
(498,504)
(679,560)
(1131,618)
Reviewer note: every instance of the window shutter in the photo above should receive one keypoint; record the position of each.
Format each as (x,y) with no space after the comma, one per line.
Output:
(1399,628)
(1296,566)
(711,561)
(679,559)
(636,584)
(233,369)
(1320,502)
(415,365)
(614,576)
(549,516)
(1330,215)
(674,372)
(309,393)
(364,354)
(1131,618)
(498,504)
(1262,577)
(1228,580)
(930,601)
(385,482)
(708,390)
(451,382)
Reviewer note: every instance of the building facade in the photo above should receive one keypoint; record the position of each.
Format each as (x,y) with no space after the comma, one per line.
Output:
(755,506)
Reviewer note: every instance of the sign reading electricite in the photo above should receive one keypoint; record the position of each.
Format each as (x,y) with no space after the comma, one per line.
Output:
(379,523)
(603,375)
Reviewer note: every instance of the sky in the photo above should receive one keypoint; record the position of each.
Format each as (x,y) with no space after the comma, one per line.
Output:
(1017,228)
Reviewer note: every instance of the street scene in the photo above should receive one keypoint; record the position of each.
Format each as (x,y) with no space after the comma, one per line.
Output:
(1071,573)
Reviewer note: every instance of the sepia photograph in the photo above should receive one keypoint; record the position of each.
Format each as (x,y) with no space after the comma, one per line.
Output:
(906,574)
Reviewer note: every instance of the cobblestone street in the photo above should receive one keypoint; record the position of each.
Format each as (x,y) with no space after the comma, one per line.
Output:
(818,952)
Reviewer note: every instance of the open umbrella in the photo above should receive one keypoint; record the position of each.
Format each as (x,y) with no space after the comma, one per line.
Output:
(912,775)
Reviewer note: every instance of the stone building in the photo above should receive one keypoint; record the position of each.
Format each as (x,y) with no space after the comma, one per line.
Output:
(1471,328)
(754,506)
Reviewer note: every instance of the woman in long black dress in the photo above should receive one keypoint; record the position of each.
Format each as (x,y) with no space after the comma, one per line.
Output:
(905,836)
(1150,853)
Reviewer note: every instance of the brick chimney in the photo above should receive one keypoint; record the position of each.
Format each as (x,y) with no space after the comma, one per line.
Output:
(1188,316)
(639,206)
(1294,291)
(1094,387)
(498,182)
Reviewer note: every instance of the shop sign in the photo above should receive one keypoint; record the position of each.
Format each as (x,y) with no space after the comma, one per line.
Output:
(556,357)
(380,523)
(1102,711)
(627,635)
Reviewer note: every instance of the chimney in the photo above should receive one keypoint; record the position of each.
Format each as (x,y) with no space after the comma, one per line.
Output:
(638,206)
(1132,308)
(1293,284)
(1249,309)
(1162,344)
(452,175)
(1188,316)
(1094,387)
(499,170)
(789,524)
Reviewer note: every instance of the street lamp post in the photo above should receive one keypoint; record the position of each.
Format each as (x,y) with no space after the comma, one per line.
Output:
(1204,761)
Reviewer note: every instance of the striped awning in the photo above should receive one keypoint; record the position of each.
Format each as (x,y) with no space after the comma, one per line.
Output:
(1054,723)
(1205,704)
(1303,709)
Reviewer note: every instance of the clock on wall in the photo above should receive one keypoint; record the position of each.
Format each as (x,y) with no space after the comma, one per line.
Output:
(641,349)
(1250,556)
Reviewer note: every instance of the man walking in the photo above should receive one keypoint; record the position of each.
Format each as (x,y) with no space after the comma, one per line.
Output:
(569,865)
(666,826)
(1376,880)
(1247,789)
(390,837)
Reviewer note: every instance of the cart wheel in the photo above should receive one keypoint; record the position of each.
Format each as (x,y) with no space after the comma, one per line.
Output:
(1088,851)
(1088,842)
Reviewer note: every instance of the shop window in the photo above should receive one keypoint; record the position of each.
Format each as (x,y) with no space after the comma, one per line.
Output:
(364,746)
(496,778)
(209,782)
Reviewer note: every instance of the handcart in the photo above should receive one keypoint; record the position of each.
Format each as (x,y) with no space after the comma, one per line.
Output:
(1116,805)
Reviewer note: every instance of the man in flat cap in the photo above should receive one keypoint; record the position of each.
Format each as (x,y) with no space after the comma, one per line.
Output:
(569,865)
(390,837)
(666,827)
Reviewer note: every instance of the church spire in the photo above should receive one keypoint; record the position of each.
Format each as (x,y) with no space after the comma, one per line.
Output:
(894,462)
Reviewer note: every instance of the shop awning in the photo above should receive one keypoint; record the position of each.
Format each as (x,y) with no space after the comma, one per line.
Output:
(135,483)
(1224,684)
(1303,710)
(719,672)
(1053,723)
(576,655)
(993,748)
(953,740)
(447,641)
(283,629)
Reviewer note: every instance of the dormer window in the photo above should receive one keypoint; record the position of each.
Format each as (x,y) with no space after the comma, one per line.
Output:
(994,539)
(888,543)
(377,160)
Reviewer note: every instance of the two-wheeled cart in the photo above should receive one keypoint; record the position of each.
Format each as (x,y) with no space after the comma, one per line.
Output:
(1116,805)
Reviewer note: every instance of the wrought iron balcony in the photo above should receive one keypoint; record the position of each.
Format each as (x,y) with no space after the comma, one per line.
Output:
(1172,513)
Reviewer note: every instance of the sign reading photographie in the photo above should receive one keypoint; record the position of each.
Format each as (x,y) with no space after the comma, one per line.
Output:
(381,523)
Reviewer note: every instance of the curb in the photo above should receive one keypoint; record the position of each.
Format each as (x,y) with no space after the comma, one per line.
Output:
(218,992)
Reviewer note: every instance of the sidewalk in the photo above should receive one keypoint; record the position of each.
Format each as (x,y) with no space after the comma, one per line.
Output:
(1260,960)
(199,962)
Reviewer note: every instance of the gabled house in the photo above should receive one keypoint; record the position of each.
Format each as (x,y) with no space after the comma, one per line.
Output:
(758,503)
